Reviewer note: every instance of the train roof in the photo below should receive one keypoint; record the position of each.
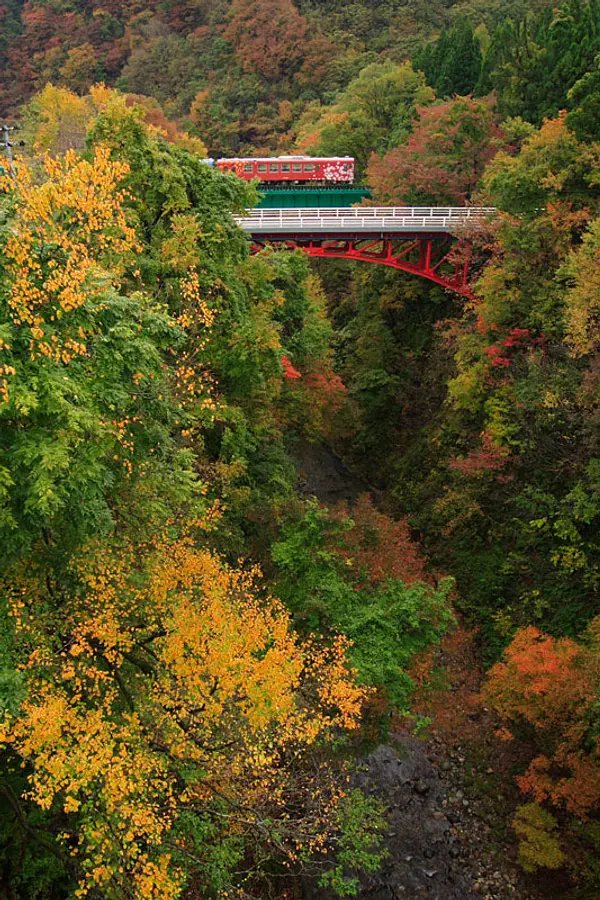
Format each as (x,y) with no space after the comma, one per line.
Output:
(267,159)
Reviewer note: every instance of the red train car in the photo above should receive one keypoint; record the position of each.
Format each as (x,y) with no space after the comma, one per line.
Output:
(292,169)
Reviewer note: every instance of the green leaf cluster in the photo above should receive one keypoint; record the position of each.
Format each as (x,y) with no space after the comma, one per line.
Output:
(388,624)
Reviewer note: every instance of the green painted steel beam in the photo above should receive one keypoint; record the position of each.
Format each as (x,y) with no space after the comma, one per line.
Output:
(290,198)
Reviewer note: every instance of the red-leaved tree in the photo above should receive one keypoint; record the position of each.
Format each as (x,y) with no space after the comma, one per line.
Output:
(380,547)
(443,158)
(268,36)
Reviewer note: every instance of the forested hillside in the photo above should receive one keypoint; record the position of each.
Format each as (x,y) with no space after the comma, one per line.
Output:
(250,75)
(199,638)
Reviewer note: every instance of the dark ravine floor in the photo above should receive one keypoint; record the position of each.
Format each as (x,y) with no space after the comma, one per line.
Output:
(435,842)
(322,475)
(438,846)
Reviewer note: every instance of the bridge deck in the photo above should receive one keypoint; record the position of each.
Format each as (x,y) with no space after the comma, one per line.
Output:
(367,220)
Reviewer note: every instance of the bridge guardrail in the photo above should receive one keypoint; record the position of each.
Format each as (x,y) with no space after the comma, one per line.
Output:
(359,219)
(372,211)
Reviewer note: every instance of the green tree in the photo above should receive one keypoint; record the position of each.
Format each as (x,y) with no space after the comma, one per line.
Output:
(519,386)
(534,62)
(141,386)
(452,64)
(388,623)
(584,105)
(373,113)
(84,397)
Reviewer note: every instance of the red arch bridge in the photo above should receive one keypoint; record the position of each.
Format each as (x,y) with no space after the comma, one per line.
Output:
(421,240)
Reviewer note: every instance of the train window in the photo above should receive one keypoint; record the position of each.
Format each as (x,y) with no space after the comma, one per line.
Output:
(273,167)
(345,167)
(297,167)
(308,167)
(262,167)
(248,167)
(285,167)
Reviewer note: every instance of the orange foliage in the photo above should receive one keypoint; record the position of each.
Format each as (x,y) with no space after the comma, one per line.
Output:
(193,385)
(156,118)
(316,400)
(552,684)
(319,53)
(322,398)
(327,390)
(457,722)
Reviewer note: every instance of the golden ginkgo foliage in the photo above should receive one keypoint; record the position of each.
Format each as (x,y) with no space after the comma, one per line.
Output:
(68,241)
(164,684)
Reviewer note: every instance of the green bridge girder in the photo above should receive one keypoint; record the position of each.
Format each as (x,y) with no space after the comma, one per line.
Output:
(297,197)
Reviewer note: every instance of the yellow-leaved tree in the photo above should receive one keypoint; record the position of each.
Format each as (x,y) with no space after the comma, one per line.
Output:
(163,721)
(171,715)
(582,305)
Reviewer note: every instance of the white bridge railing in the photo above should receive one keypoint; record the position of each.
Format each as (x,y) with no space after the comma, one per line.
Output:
(361,219)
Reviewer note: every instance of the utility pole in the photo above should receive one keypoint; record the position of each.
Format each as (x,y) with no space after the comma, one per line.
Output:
(7,144)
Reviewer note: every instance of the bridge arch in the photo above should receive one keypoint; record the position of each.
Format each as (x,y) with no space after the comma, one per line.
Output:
(442,262)
(425,241)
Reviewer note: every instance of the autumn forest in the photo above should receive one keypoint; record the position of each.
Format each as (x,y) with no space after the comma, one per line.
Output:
(266,520)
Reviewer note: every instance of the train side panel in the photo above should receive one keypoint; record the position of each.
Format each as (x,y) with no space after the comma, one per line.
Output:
(331,170)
